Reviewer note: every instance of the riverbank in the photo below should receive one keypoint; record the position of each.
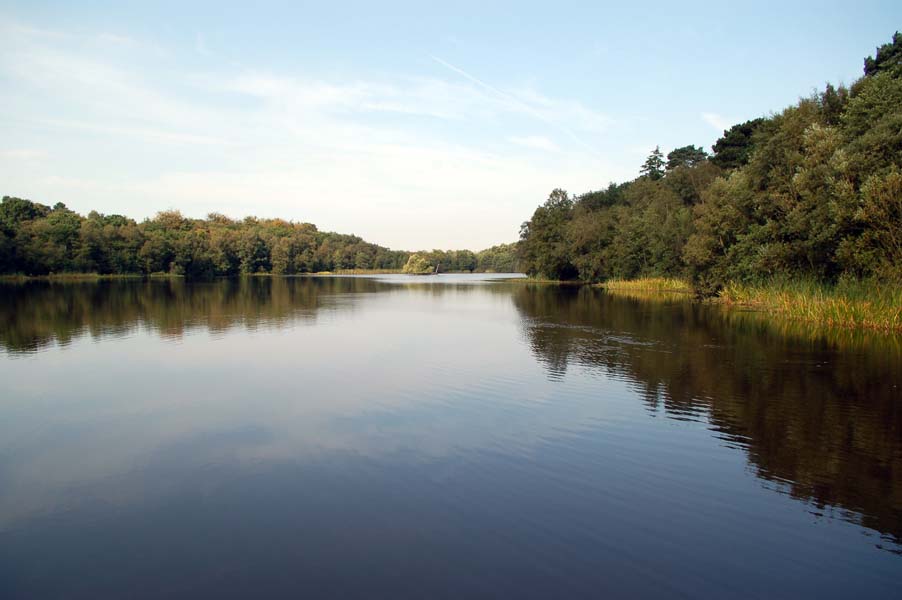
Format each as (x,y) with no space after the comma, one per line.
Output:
(336,273)
(848,304)
(357,272)
(648,284)
(18,277)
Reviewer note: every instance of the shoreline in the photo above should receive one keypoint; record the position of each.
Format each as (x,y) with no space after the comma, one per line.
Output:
(22,278)
(845,305)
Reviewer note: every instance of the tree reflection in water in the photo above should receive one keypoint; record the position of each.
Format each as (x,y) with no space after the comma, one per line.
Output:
(818,413)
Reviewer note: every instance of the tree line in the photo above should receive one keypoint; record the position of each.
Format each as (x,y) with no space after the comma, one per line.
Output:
(36,239)
(497,259)
(814,191)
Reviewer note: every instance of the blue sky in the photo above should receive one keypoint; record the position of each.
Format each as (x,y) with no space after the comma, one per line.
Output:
(413,126)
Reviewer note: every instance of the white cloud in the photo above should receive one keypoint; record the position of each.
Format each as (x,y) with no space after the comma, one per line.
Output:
(718,122)
(568,116)
(200,44)
(536,142)
(144,133)
(23,154)
(117,40)
(409,162)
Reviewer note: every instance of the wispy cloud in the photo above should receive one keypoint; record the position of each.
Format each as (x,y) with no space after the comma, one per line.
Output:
(566,116)
(115,39)
(15,28)
(427,151)
(718,122)
(23,154)
(200,44)
(537,142)
(144,133)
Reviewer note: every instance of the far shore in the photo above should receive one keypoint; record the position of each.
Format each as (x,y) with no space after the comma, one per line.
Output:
(856,305)
(21,277)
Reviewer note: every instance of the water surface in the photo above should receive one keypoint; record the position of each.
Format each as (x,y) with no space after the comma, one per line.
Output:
(437,437)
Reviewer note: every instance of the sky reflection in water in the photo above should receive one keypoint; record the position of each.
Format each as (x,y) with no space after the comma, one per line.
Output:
(441,436)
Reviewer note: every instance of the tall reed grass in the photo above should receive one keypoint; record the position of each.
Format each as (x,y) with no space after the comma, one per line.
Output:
(648,284)
(850,303)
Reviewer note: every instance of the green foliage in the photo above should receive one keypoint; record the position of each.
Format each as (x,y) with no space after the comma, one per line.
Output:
(689,181)
(687,156)
(733,149)
(653,167)
(878,248)
(606,198)
(445,261)
(544,245)
(833,102)
(418,265)
(716,251)
(627,231)
(813,192)
(887,59)
(37,240)
(850,303)
(498,259)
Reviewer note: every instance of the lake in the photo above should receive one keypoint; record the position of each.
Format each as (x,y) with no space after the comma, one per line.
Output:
(452,436)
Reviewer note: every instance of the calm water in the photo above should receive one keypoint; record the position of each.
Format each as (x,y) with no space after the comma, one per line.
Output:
(437,437)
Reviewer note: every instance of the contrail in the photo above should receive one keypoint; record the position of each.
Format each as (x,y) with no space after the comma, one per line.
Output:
(516,102)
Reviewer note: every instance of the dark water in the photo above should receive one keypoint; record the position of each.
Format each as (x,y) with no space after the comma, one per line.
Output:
(355,437)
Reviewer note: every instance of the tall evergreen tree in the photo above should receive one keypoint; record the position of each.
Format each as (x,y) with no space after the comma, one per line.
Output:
(687,156)
(887,58)
(653,168)
(732,150)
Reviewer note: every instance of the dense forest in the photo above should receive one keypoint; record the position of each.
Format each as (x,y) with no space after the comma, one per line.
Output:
(36,239)
(812,192)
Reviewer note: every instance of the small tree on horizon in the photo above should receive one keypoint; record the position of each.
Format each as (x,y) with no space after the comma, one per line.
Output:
(653,168)
(417,265)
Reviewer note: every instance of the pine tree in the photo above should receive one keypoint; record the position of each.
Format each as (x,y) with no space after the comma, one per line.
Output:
(654,165)
(887,58)
(687,156)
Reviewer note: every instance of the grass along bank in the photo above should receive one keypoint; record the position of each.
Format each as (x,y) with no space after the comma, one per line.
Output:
(848,304)
(334,273)
(648,284)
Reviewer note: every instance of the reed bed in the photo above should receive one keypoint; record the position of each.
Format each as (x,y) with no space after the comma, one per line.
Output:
(362,272)
(648,284)
(847,304)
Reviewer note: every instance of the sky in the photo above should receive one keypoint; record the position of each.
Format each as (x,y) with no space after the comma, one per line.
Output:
(412,126)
